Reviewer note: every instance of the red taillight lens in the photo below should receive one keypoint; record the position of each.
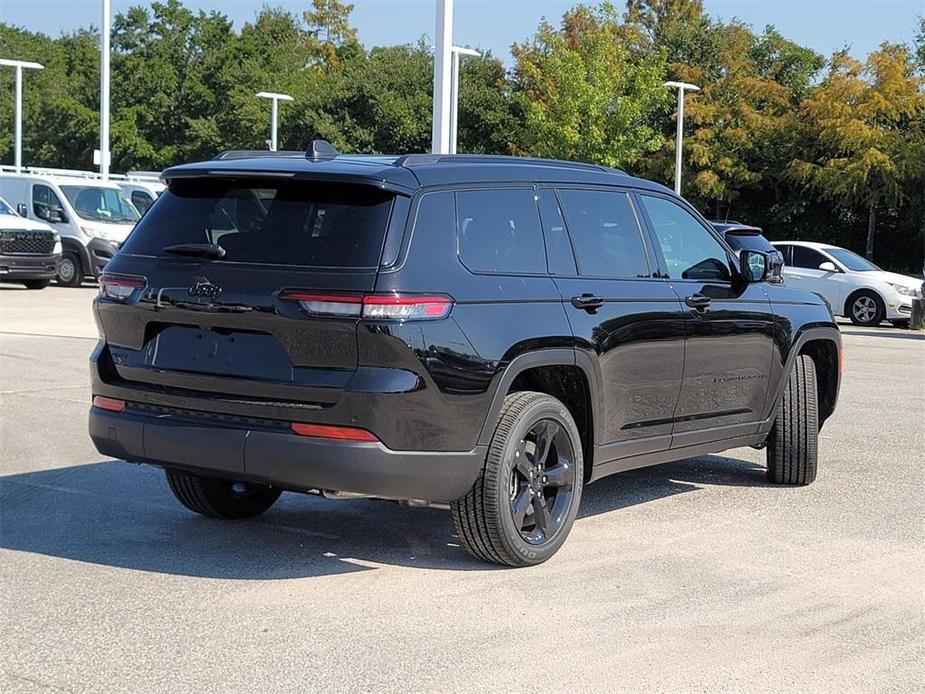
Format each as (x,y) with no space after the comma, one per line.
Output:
(111,404)
(120,287)
(373,306)
(324,431)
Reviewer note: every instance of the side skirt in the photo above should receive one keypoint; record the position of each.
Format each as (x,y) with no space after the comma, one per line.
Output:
(672,454)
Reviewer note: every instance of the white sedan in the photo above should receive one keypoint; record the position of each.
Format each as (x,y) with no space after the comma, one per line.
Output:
(853,286)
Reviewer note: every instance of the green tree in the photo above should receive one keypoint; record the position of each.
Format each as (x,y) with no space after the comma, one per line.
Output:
(580,94)
(856,129)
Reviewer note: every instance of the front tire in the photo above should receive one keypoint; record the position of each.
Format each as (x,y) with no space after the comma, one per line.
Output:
(521,508)
(69,272)
(218,498)
(793,441)
(866,308)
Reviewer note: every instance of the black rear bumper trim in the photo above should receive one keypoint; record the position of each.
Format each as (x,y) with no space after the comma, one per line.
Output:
(283,459)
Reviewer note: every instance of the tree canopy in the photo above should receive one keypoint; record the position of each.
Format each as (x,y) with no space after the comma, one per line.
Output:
(803,145)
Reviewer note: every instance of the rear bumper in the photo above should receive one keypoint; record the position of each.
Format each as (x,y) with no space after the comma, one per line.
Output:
(284,459)
(28,267)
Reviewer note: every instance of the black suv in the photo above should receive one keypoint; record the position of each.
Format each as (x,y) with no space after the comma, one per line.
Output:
(492,332)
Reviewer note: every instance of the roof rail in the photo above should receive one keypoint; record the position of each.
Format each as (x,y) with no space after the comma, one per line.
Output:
(411,160)
(74,173)
(231,154)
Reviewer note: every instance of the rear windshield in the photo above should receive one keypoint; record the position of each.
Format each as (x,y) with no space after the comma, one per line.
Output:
(749,241)
(292,223)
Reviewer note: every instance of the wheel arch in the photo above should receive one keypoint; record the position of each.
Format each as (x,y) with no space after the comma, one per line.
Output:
(846,309)
(562,373)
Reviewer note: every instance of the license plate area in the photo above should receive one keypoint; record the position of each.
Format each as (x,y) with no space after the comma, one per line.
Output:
(219,352)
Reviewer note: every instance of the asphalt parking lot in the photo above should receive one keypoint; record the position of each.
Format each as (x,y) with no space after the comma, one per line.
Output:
(693,576)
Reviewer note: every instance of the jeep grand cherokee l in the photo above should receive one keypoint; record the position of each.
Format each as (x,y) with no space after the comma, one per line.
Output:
(491,332)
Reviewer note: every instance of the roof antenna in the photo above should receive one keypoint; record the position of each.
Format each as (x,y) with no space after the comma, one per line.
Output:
(321,150)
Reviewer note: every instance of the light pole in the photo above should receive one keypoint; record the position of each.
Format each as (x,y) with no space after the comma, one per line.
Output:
(443,44)
(19,65)
(274,112)
(681,87)
(456,52)
(104,92)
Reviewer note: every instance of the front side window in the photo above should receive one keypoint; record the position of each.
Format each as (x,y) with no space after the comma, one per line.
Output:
(44,201)
(808,258)
(607,238)
(499,231)
(294,223)
(97,204)
(690,251)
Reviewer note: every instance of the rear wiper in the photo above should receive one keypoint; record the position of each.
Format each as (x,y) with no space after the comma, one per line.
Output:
(205,250)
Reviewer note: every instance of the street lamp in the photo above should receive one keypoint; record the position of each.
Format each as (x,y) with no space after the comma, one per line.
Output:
(19,65)
(455,53)
(443,45)
(274,112)
(681,87)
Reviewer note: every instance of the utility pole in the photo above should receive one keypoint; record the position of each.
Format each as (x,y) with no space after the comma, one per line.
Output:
(104,92)
(457,52)
(679,138)
(443,40)
(19,65)
(274,113)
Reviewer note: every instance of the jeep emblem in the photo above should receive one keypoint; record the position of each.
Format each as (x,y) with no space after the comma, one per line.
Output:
(205,288)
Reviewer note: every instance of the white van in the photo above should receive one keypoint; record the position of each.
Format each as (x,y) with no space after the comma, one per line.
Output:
(93,217)
(141,187)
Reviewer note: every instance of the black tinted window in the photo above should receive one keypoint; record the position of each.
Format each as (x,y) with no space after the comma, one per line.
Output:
(807,258)
(499,231)
(752,242)
(690,251)
(141,201)
(43,201)
(607,238)
(295,223)
(559,256)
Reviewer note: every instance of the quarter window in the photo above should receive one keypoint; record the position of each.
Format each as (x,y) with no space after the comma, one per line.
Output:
(607,238)
(499,231)
(142,201)
(690,251)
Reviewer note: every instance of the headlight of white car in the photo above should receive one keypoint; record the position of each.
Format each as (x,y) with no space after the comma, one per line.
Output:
(904,290)
(96,233)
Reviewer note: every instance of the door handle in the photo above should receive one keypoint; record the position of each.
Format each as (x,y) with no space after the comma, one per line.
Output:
(588,302)
(698,301)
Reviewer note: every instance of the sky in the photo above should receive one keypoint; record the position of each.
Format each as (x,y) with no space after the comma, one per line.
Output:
(823,25)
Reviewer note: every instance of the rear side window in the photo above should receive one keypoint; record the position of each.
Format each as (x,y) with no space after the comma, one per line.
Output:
(607,238)
(808,258)
(294,223)
(499,231)
(141,200)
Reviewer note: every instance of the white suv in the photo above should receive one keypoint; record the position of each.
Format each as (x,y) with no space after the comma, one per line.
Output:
(853,286)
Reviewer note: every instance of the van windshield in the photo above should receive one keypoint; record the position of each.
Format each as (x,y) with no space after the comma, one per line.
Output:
(6,209)
(97,204)
(303,223)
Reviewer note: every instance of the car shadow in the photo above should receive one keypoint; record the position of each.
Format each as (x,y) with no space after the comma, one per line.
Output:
(121,515)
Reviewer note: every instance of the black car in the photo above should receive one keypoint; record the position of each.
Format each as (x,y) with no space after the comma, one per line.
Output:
(492,332)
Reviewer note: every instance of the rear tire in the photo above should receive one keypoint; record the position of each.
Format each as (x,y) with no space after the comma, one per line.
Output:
(865,308)
(69,272)
(36,284)
(793,441)
(521,508)
(218,498)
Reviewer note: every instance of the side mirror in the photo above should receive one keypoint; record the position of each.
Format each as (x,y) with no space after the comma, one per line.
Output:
(56,215)
(756,265)
(828,266)
(22,209)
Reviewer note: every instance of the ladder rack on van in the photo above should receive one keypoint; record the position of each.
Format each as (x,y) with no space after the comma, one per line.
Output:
(146,176)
